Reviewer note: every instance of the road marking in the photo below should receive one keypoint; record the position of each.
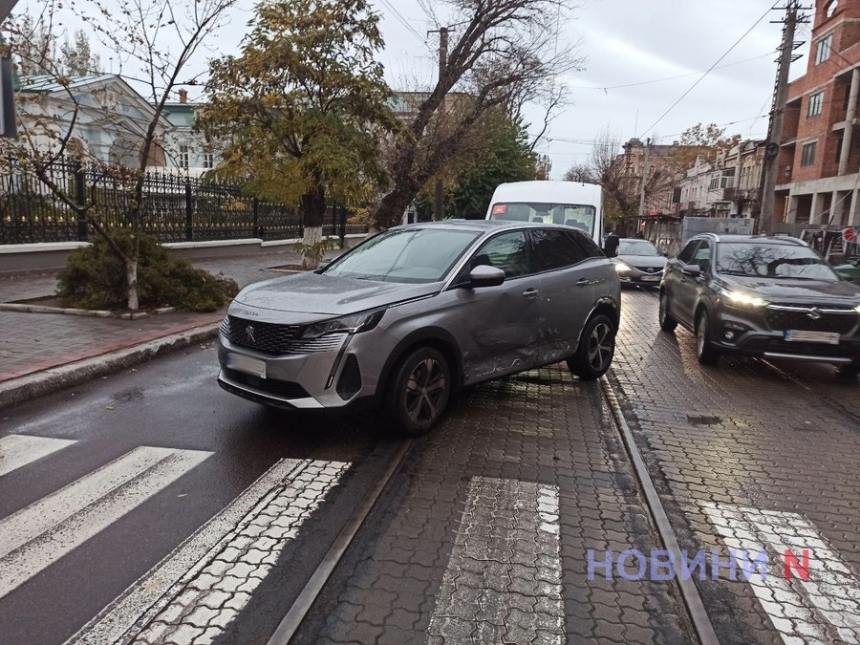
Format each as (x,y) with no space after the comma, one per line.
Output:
(825,608)
(17,450)
(35,537)
(503,580)
(197,590)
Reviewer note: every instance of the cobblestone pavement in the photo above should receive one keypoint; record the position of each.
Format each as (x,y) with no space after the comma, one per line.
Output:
(483,536)
(748,460)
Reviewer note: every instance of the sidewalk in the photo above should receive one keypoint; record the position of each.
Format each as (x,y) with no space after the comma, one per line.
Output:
(35,342)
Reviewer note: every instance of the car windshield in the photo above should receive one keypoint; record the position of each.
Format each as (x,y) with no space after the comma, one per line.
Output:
(579,216)
(637,247)
(415,255)
(780,261)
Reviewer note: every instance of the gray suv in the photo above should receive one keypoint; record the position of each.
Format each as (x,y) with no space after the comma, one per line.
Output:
(762,296)
(408,316)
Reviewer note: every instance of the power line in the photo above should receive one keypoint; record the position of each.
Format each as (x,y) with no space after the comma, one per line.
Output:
(401,19)
(667,78)
(702,77)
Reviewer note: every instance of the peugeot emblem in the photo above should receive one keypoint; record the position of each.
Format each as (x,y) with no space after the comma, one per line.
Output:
(814,313)
(249,331)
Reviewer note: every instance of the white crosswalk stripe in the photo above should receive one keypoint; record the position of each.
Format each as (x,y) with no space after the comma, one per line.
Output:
(18,450)
(823,609)
(194,593)
(38,535)
(506,550)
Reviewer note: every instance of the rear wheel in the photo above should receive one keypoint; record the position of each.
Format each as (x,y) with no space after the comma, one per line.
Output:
(419,391)
(596,349)
(667,323)
(705,351)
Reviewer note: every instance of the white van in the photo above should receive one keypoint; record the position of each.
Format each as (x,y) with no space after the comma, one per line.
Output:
(551,202)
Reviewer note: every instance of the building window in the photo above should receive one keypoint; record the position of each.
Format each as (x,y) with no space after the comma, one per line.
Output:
(831,8)
(807,154)
(838,148)
(208,160)
(825,48)
(816,101)
(184,156)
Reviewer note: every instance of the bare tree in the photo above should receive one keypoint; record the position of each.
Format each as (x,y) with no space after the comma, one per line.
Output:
(581,173)
(506,53)
(156,40)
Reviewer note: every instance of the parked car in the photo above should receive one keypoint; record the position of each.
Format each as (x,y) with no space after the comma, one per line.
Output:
(850,270)
(763,296)
(638,262)
(408,316)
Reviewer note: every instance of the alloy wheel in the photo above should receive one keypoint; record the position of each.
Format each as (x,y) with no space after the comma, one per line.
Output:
(425,389)
(600,346)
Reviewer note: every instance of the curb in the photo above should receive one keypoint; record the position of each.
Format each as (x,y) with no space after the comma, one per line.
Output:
(55,379)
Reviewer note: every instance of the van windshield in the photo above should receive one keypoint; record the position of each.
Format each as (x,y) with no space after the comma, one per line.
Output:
(579,216)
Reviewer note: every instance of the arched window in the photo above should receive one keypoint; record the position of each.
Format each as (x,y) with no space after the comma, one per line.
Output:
(831,8)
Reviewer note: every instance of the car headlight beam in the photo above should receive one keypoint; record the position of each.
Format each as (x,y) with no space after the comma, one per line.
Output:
(620,267)
(741,299)
(353,324)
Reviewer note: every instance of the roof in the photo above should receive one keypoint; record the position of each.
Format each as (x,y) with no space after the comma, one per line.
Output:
(48,82)
(550,192)
(482,225)
(758,239)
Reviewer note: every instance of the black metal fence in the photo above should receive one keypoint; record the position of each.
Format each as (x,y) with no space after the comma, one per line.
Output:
(176,208)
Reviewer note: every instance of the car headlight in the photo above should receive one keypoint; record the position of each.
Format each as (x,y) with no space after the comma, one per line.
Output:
(353,324)
(857,309)
(620,267)
(741,299)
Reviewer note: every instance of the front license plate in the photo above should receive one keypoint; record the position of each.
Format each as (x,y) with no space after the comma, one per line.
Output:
(246,364)
(801,336)
(650,278)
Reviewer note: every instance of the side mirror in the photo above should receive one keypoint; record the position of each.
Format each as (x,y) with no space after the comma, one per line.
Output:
(485,276)
(692,270)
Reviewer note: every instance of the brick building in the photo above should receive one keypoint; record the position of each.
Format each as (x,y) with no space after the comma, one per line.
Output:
(819,161)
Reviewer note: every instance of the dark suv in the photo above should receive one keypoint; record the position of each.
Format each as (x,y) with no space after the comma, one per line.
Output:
(762,296)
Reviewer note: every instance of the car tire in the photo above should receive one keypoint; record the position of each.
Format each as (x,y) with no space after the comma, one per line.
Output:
(596,349)
(418,392)
(667,323)
(850,371)
(705,351)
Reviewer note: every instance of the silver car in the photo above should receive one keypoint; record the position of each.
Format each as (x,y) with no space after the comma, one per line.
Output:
(412,314)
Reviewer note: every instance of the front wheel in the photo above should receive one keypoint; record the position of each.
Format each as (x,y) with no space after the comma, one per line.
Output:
(667,323)
(419,391)
(596,349)
(705,351)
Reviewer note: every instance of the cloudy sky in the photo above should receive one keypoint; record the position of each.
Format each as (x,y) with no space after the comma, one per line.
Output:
(634,43)
(640,57)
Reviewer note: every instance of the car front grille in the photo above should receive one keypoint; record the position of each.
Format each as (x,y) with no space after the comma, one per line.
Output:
(839,323)
(283,389)
(263,337)
(650,270)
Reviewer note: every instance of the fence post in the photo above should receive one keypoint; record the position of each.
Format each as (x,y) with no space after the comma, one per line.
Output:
(342,226)
(189,212)
(81,200)
(256,204)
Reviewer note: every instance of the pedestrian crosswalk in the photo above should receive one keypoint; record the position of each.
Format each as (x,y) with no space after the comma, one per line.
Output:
(17,450)
(218,566)
(40,534)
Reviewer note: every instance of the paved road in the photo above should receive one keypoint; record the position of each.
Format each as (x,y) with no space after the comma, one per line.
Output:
(151,507)
(749,460)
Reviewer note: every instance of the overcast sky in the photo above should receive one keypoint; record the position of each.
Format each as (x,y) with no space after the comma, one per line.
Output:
(624,42)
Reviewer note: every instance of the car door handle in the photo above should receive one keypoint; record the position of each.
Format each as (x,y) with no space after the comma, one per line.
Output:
(584,282)
(530,293)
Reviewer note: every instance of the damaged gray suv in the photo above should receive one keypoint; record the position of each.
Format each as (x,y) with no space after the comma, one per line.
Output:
(410,315)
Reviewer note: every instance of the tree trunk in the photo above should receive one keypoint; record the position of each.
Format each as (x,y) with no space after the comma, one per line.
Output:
(131,281)
(390,211)
(313,212)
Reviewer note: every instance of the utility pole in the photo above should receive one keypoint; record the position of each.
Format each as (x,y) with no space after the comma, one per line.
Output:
(439,201)
(770,171)
(644,182)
